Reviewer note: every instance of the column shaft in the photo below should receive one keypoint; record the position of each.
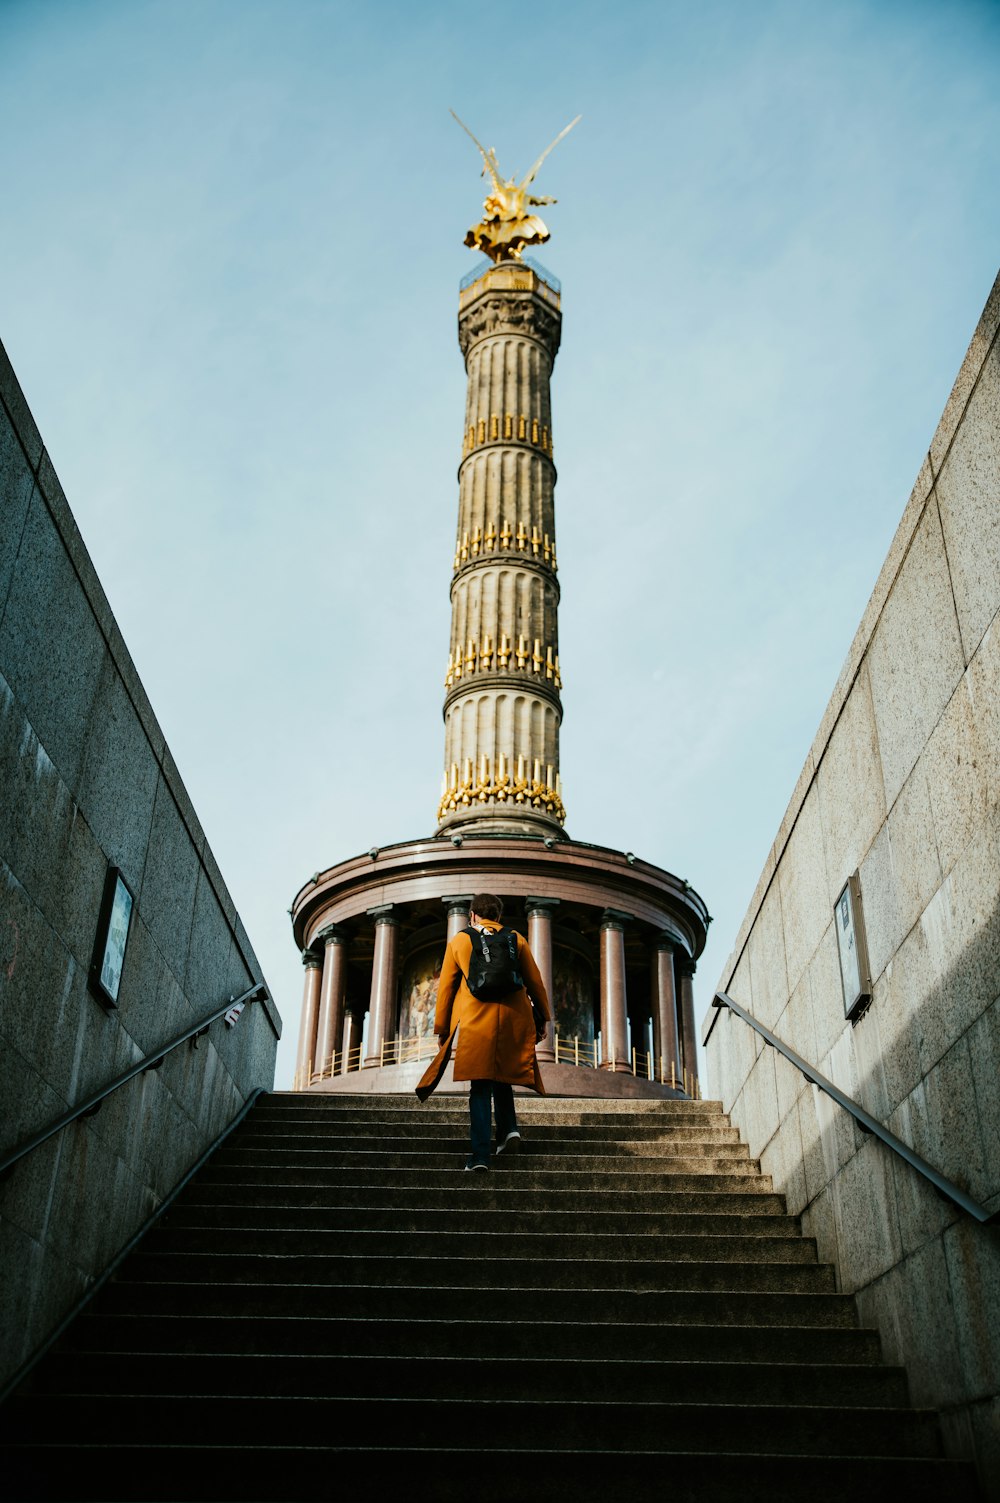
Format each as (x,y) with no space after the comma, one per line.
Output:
(354,1027)
(501,767)
(331,1000)
(382,1009)
(664,994)
(307,1022)
(689,1053)
(458,917)
(614,1027)
(540,944)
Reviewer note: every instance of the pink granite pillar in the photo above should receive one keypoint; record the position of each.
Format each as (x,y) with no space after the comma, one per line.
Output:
(663,991)
(458,915)
(385,965)
(330,1027)
(540,944)
(614,1025)
(689,1053)
(307,1023)
(354,1027)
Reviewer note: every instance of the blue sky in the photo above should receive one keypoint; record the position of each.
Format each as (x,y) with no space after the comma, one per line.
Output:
(233,238)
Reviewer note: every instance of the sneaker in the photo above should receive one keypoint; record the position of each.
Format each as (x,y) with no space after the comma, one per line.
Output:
(475,1164)
(511,1143)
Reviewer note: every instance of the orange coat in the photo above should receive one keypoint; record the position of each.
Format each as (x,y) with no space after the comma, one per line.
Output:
(496,1040)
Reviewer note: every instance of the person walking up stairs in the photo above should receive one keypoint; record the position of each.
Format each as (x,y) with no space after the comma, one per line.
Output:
(333,1308)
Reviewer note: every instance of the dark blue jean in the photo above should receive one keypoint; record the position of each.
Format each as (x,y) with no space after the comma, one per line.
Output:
(483,1094)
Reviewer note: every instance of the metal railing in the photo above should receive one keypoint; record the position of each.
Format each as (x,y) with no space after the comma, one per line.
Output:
(643,1065)
(867,1123)
(392,1052)
(334,1064)
(485,264)
(93,1104)
(405,1051)
(584,1055)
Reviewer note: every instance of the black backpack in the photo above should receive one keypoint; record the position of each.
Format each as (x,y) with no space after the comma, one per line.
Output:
(493,971)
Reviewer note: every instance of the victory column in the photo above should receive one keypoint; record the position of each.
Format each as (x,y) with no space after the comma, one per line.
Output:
(615,937)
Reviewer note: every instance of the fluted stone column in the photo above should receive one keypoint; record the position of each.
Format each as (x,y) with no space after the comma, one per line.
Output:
(614,1025)
(458,915)
(664,994)
(385,968)
(307,1022)
(502,707)
(540,944)
(354,1028)
(331,997)
(686,970)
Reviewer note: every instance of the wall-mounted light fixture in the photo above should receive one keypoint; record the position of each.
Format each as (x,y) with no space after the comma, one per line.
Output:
(852,947)
(112,938)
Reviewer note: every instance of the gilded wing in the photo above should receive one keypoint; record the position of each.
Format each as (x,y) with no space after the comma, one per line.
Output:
(531,175)
(489,157)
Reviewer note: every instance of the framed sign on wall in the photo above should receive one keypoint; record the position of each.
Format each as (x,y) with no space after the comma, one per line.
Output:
(111,940)
(852,947)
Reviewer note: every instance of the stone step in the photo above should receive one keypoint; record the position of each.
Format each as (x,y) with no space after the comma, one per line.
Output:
(493,1192)
(286,1125)
(447,1335)
(489,1378)
(389,1217)
(528,1104)
(378,1160)
(474,1271)
(543,1424)
(419,1248)
(593,1307)
(331,1141)
(232,1472)
(525,1177)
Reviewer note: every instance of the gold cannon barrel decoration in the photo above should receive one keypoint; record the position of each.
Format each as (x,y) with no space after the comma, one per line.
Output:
(507,428)
(492,540)
(482,656)
(501,784)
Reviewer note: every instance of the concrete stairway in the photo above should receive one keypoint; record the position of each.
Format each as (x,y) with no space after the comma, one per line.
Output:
(622,1311)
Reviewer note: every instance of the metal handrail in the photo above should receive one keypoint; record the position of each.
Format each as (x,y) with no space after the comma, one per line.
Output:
(93,1103)
(865,1121)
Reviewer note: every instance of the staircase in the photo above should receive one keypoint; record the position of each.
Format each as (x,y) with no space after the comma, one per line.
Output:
(334,1308)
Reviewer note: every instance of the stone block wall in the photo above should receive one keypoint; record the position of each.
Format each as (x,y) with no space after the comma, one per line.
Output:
(86,780)
(903,784)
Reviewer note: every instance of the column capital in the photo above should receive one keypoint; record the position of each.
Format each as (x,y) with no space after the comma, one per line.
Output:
(383,916)
(668,941)
(541,906)
(311,959)
(686,965)
(517,310)
(614,918)
(459,903)
(333,934)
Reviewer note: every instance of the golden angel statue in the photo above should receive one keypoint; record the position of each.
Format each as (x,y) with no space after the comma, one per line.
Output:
(506,226)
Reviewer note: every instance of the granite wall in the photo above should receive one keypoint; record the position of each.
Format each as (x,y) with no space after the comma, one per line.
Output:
(903,783)
(86,779)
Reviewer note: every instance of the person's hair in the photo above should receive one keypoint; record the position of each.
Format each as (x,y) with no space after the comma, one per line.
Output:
(486,905)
